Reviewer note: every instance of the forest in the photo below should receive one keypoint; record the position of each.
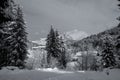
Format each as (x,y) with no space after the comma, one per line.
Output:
(57,51)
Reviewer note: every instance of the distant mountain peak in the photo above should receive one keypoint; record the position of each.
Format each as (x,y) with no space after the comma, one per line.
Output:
(76,34)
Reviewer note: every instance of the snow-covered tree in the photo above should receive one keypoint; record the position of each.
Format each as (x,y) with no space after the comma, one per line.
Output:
(18,42)
(118,38)
(49,45)
(7,17)
(12,35)
(62,60)
(107,56)
(55,49)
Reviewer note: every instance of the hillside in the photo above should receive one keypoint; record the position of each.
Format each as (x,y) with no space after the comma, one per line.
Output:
(91,42)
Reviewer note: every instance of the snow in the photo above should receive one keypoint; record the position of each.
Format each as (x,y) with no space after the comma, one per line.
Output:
(30,55)
(42,41)
(39,47)
(55,70)
(55,74)
(76,34)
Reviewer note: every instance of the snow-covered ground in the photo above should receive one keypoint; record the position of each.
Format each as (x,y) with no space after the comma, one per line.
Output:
(55,74)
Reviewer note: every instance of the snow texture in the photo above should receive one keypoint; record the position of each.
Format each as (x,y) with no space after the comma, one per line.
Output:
(76,34)
(55,74)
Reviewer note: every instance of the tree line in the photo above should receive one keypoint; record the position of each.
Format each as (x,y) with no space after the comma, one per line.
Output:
(13,43)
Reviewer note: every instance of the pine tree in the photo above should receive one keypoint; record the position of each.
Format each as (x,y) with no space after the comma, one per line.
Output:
(7,16)
(50,44)
(21,38)
(108,58)
(118,47)
(55,49)
(63,57)
(3,45)
(12,35)
(118,38)
(18,40)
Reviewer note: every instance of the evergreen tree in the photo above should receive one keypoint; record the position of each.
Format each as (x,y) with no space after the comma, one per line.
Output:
(63,57)
(18,40)
(118,47)
(118,38)
(12,35)
(7,16)
(108,58)
(21,38)
(50,44)
(55,48)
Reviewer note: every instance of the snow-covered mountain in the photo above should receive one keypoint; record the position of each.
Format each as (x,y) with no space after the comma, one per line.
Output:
(75,35)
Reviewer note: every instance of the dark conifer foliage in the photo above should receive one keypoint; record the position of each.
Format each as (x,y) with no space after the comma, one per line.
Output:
(6,18)
(55,48)
(13,38)
(19,39)
(6,10)
(63,57)
(118,37)
(108,56)
(50,44)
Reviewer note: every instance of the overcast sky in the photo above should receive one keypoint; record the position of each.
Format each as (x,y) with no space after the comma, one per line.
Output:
(91,16)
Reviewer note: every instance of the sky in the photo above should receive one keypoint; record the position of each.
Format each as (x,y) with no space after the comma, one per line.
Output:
(90,16)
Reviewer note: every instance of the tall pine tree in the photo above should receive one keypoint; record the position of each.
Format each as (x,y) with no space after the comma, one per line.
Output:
(108,58)
(21,38)
(13,48)
(62,61)
(118,38)
(18,40)
(55,49)
(7,16)
(50,45)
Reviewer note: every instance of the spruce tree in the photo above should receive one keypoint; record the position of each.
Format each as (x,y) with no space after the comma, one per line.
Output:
(108,58)
(13,48)
(7,16)
(55,49)
(50,45)
(118,38)
(63,57)
(118,47)
(21,37)
(18,43)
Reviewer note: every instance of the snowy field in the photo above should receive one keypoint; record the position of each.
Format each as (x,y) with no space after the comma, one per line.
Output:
(55,74)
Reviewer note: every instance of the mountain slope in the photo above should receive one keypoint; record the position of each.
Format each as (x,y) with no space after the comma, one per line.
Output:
(91,41)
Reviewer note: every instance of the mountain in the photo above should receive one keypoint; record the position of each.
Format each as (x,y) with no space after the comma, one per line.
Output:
(91,42)
(74,35)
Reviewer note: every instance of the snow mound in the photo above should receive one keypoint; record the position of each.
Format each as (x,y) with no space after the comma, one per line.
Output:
(81,71)
(9,69)
(55,70)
